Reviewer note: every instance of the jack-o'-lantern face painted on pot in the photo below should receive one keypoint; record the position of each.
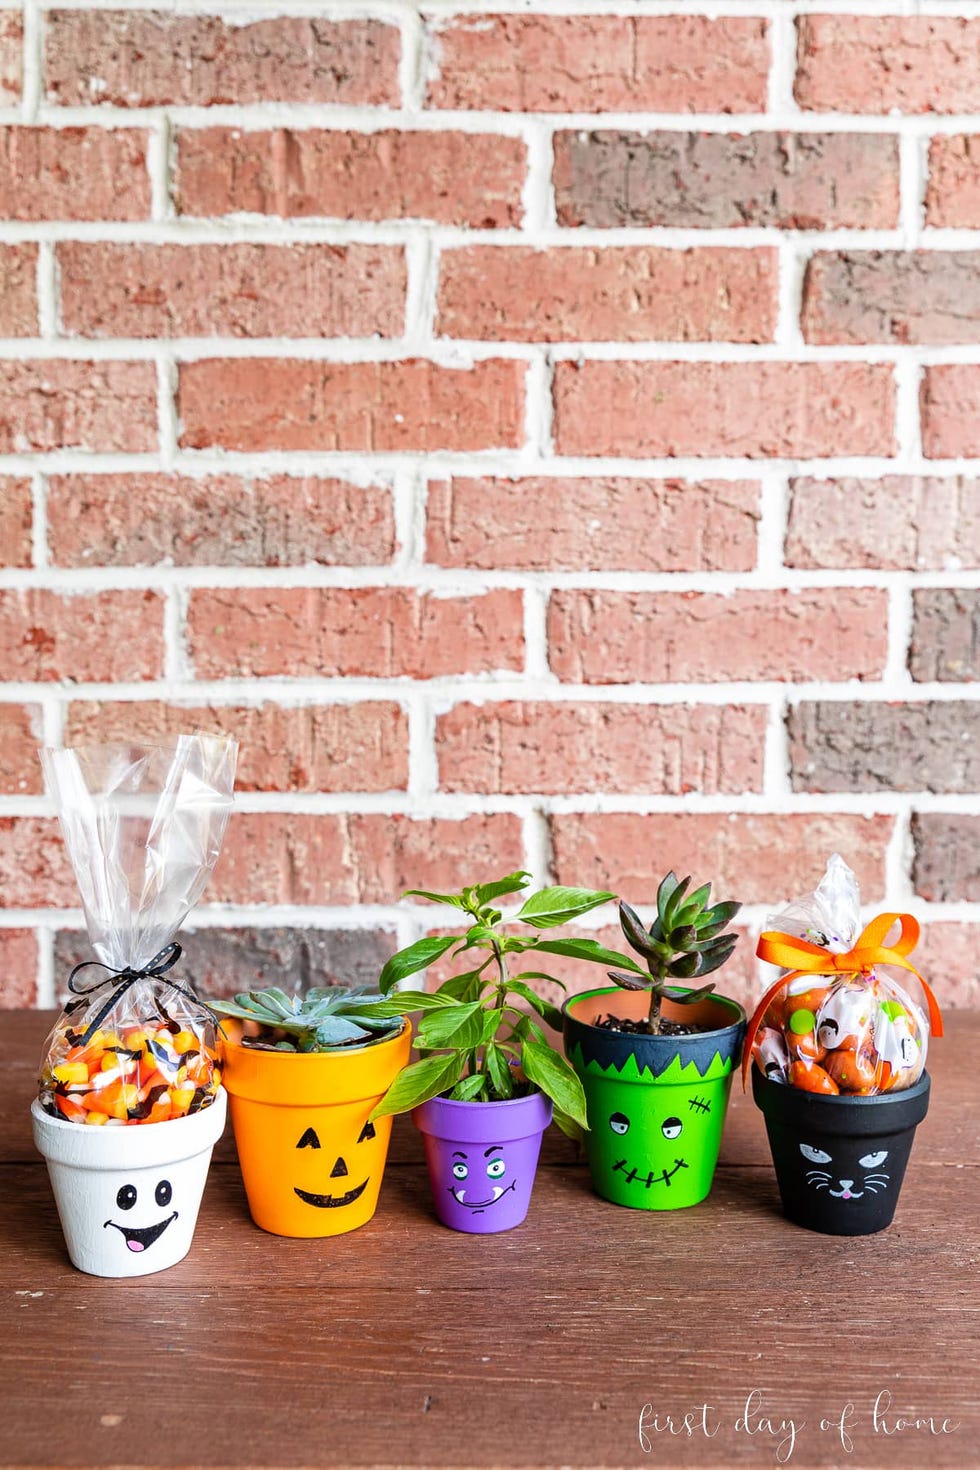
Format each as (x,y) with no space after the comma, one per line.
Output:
(338,1187)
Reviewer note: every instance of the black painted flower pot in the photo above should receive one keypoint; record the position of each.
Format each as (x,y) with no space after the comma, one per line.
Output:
(840,1161)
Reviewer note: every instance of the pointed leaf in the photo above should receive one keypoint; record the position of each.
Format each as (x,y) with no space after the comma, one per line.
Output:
(467,1089)
(722,913)
(665,893)
(568,1126)
(418,1082)
(683,936)
(552,906)
(499,1072)
(417,956)
(548,1013)
(462,987)
(676,902)
(451,898)
(513,883)
(551,1072)
(458,1026)
(693,904)
(712,962)
(403,1003)
(688,997)
(630,982)
(636,935)
(588,949)
(684,968)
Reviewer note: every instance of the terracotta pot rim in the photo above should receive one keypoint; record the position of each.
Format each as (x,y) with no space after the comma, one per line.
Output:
(334,1052)
(738,1013)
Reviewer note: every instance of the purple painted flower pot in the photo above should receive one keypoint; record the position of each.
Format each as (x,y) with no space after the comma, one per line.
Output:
(482,1157)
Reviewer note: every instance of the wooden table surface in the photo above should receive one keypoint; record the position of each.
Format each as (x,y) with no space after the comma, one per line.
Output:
(405,1343)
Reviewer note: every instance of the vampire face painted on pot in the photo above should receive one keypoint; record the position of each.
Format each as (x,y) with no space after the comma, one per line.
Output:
(843,1174)
(480,1177)
(338,1190)
(140,1237)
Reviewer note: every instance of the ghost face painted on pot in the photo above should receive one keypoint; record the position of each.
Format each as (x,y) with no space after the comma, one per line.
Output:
(131,1210)
(480,1177)
(853,1171)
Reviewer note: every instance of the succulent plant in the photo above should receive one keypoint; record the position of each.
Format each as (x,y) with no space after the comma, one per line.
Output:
(685,940)
(322,1020)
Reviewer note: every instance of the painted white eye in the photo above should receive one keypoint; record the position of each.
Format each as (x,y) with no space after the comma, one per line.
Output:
(671,1127)
(815,1155)
(619,1123)
(871,1161)
(460,1171)
(496,1168)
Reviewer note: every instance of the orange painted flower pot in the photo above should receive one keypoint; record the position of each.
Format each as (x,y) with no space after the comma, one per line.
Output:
(311,1161)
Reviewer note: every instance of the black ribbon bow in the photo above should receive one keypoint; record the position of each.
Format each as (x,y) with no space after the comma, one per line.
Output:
(161,962)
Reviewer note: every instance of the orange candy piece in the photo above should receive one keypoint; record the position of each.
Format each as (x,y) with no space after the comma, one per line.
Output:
(809,1077)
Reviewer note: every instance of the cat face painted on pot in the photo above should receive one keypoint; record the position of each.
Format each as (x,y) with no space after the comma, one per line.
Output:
(335,1169)
(137,1214)
(853,1171)
(480,1177)
(651,1148)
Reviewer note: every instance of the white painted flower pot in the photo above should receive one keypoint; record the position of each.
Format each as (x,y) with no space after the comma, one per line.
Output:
(128,1197)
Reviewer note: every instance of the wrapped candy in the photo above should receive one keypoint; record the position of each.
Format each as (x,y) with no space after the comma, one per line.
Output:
(143,826)
(837,1022)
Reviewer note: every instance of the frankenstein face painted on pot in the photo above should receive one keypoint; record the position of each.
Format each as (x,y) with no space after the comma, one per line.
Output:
(656,1104)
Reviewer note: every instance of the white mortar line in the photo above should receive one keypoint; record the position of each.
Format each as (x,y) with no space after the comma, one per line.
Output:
(408,506)
(538,855)
(776,765)
(898,862)
(422,263)
(39,522)
(782,71)
(536,668)
(158,164)
(393,11)
(176,661)
(538,195)
(47,291)
(793,258)
(913,172)
(33,64)
(411,71)
(47,987)
(423,774)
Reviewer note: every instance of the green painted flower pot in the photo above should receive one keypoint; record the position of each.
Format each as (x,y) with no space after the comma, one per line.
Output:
(656,1104)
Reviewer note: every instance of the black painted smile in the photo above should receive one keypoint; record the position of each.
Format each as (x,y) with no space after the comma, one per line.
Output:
(331,1201)
(664,1177)
(141,1240)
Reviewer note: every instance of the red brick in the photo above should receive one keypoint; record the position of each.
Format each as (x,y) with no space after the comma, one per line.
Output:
(18,289)
(451,178)
(886,63)
(783,410)
(18,968)
(231,290)
(791,181)
(132,58)
(604,523)
(947,957)
(756,858)
(80,635)
(34,867)
(606,637)
(901,522)
(666,749)
(221,520)
(77,405)
(342,859)
(73,174)
(415,405)
(950,408)
(335,747)
(21,733)
(633,294)
(953,190)
(915,296)
(16,521)
(371,632)
(565,63)
(11,56)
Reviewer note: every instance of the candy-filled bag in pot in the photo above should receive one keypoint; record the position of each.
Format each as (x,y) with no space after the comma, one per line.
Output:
(837,1022)
(143,825)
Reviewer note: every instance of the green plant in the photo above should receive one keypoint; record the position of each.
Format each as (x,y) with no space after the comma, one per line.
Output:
(322,1020)
(476,1043)
(685,940)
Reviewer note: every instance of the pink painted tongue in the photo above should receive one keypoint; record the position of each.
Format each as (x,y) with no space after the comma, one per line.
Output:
(135,1245)
(847,1194)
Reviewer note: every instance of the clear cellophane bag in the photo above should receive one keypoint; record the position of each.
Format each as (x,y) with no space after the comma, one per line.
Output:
(143,826)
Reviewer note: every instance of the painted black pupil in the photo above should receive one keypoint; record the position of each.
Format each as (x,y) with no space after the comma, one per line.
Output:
(126,1198)
(619,1122)
(672,1125)
(164,1193)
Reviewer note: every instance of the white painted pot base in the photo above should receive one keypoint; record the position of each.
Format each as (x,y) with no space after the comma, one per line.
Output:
(128,1197)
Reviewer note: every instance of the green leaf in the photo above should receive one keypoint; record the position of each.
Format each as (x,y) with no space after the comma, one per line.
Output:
(693,904)
(665,893)
(569,1127)
(461,987)
(714,961)
(459,1026)
(553,906)
(500,1074)
(513,883)
(722,913)
(588,949)
(403,1003)
(669,917)
(685,967)
(548,1013)
(689,997)
(467,1089)
(418,1082)
(477,934)
(417,956)
(631,982)
(451,898)
(636,935)
(549,1071)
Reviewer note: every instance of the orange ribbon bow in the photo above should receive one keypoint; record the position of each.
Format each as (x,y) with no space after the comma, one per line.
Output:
(800,957)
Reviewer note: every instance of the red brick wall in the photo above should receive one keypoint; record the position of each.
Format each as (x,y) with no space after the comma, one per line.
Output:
(547,439)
